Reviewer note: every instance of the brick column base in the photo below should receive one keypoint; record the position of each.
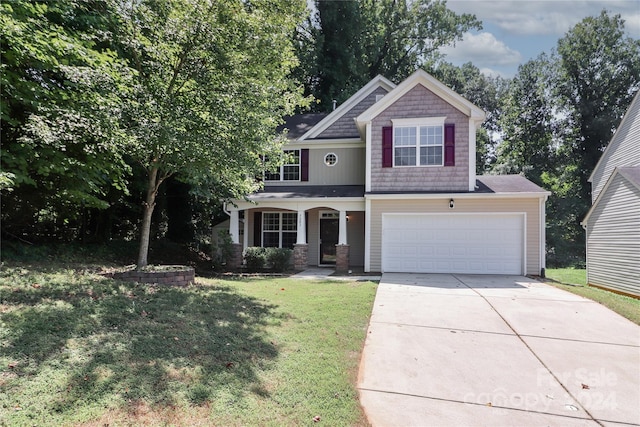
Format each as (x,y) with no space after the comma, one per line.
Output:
(235,260)
(300,256)
(342,259)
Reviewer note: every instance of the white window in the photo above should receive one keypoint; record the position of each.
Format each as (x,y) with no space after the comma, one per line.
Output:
(418,142)
(289,171)
(330,159)
(279,229)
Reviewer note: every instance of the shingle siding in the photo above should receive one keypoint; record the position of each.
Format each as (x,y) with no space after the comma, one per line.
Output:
(623,150)
(613,238)
(421,102)
(530,206)
(345,126)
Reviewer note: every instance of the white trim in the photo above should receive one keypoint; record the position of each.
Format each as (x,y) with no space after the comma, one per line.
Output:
(368,148)
(543,235)
(411,196)
(367,236)
(346,106)
(280,231)
(245,230)
(523,266)
(336,203)
(472,154)
(411,123)
(330,144)
(605,153)
(431,83)
(616,171)
(420,121)
(282,166)
(331,153)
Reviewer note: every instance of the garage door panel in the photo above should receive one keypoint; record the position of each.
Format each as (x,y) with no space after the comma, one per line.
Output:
(489,244)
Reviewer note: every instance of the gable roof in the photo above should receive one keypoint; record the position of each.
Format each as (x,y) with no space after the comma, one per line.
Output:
(432,84)
(617,138)
(356,98)
(631,174)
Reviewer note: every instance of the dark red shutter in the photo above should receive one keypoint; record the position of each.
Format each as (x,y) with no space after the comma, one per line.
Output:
(387,147)
(449,144)
(257,229)
(304,164)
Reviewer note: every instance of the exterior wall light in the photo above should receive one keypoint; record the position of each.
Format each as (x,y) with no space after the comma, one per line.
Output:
(451,204)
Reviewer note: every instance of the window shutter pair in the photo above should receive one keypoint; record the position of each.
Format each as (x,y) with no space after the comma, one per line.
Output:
(449,145)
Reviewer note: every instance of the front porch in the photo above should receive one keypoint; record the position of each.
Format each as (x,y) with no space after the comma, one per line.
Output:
(320,234)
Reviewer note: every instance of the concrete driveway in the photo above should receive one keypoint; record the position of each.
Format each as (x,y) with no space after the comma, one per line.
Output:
(445,350)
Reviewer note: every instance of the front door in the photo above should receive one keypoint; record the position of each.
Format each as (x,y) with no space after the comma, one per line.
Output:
(328,240)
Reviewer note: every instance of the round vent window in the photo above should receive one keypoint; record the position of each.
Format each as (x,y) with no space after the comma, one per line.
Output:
(330,159)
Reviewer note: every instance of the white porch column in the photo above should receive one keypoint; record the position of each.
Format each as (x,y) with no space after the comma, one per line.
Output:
(302,229)
(234,226)
(342,231)
(245,237)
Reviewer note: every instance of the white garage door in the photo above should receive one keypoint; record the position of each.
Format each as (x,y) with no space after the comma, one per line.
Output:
(453,243)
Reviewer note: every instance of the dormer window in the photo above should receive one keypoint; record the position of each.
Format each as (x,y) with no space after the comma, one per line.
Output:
(418,142)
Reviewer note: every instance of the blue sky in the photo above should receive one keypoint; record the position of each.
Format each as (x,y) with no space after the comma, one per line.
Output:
(518,30)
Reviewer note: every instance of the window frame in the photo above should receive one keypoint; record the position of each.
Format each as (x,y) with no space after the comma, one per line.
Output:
(281,176)
(417,124)
(280,231)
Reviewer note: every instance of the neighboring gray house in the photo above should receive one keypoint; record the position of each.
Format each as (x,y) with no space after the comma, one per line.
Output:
(613,222)
(387,183)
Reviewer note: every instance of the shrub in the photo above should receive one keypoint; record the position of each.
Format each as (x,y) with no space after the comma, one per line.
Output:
(222,252)
(255,258)
(279,259)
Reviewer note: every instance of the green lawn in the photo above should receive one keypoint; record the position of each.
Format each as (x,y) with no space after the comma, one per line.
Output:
(79,349)
(574,280)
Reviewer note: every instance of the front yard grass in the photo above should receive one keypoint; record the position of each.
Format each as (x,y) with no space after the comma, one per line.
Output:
(574,280)
(79,349)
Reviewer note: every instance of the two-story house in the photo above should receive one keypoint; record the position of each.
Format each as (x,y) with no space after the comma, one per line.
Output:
(613,222)
(387,182)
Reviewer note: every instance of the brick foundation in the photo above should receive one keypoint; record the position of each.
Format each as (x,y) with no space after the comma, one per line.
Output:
(300,256)
(342,259)
(235,260)
(181,276)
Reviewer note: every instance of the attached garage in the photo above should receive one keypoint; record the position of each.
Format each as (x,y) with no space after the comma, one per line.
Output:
(486,243)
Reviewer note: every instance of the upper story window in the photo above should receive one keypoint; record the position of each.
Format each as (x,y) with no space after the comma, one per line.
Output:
(418,142)
(289,171)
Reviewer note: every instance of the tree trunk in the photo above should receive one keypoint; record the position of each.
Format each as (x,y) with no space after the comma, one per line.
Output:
(149,205)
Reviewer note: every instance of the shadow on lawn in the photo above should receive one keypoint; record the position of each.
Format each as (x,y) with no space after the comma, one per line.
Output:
(102,341)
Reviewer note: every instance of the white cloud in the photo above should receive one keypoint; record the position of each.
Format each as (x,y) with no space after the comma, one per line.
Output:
(545,17)
(484,50)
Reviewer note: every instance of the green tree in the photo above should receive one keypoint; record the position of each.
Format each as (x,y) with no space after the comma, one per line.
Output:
(59,138)
(528,123)
(599,72)
(211,84)
(485,92)
(559,114)
(347,43)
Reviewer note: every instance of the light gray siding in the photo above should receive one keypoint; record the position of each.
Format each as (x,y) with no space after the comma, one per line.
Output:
(345,126)
(348,171)
(421,102)
(613,238)
(530,206)
(623,150)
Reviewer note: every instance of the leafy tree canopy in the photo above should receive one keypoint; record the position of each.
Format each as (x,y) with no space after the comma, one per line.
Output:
(347,43)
